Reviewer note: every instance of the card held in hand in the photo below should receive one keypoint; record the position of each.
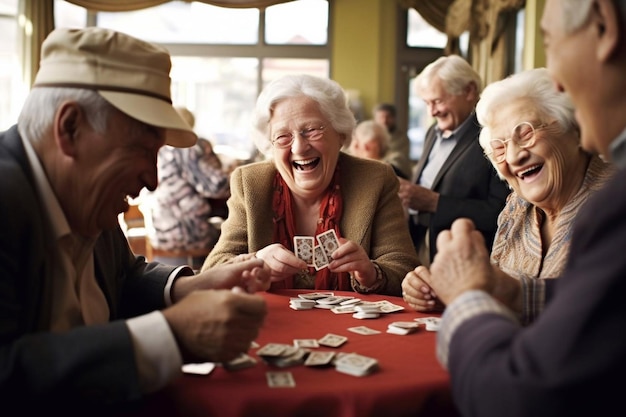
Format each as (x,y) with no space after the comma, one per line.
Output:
(329,242)
(303,248)
(319,259)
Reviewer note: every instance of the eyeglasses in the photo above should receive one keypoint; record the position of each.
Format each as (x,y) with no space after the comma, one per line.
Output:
(524,136)
(285,139)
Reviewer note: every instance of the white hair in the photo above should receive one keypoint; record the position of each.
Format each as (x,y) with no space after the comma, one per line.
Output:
(536,88)
(454,72)
(329,95)
(37,114)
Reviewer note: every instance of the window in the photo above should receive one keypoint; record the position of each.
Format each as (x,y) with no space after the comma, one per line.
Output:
(222,57)
(10,74)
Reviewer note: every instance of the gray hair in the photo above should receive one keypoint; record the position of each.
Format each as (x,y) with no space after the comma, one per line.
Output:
(536,88)
(577,13)
(369,130)
(327,93)
(454,72)
(39,109)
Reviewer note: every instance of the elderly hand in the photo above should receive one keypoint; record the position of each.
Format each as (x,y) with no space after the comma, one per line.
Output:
(416,197)
(215,325)
(281,261)
(461,263)
(417,294)
(351,257)
(251,275)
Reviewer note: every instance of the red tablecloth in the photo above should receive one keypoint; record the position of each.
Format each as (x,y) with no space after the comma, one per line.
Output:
(409,382)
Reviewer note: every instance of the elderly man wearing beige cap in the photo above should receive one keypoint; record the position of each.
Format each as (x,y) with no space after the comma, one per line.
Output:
(82,320)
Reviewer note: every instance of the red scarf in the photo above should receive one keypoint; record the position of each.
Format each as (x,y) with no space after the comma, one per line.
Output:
(284,230)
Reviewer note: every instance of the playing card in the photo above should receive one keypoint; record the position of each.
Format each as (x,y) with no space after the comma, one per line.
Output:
(306,343)
(199,368)
(316,295)
(240,362)
(357,365)
(332,340)
(329,242)
(319,358)
(364,330)
(280,380)
(303,248)
(272,349)
(319,258)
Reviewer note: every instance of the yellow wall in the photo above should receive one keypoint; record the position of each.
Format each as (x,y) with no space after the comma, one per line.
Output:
(534,55)
(363,48)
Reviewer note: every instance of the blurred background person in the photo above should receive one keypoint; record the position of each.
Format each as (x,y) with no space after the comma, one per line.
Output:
(370,140)
(308,187)
(531,136)
(399,149)
(191,185)
(452,178)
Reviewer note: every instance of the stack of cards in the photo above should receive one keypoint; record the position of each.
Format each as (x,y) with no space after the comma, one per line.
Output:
(431,323)
(282,355)
(301,304)
(366,311)
(402,327)
(355,364)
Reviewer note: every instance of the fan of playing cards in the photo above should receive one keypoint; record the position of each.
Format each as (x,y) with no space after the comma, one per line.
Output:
(316,255)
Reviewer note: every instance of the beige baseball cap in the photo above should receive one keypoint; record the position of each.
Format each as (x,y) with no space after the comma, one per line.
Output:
(131,74)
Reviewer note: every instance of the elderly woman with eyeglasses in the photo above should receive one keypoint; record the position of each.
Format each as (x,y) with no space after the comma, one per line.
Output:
(308,187)
(531,137)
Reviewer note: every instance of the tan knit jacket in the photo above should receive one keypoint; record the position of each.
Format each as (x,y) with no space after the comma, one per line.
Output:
(372,216)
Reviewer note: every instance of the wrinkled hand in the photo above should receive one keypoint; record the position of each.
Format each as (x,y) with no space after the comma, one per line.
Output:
(417,294)
(251,276)
(461,263)
(416,197)
(215,325)
(351,257)
(282,262)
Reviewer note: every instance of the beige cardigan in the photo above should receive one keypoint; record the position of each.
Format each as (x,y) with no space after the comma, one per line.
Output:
(372,216)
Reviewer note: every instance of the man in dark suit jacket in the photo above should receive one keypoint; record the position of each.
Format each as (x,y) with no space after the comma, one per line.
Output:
(571,361)
(453,178)
(84,324)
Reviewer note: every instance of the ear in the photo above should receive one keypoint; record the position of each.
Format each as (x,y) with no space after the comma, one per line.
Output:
(605,20)
(471,91)
(66,127)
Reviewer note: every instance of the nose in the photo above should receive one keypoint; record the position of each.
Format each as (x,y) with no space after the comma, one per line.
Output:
(299,144)
(150,178)
(512,151)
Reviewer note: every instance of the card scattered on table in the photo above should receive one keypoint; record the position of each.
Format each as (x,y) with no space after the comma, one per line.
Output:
(280,380)
(332,340)
(364,330)
(357,365)
(403,327)
(204,368)
(242,361)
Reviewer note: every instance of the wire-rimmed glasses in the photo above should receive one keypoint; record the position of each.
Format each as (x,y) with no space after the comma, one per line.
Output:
(524,136)
(285,139)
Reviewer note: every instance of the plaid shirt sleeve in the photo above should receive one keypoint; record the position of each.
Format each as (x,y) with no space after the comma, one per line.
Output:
(466,306)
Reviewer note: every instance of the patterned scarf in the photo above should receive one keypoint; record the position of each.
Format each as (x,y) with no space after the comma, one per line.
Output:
(284,230)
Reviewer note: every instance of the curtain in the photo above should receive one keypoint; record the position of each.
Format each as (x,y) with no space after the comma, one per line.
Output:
(127,5)
(486,21)
(36,21)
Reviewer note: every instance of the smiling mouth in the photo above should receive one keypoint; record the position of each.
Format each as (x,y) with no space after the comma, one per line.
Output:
(306,164)
(530,172)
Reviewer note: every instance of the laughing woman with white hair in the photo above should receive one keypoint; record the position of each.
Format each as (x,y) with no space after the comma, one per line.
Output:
(531,137)
(310,186)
